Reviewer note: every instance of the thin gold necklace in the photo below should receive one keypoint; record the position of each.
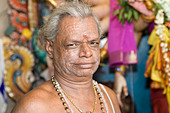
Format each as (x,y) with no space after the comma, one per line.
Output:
(61,93)
(95,103)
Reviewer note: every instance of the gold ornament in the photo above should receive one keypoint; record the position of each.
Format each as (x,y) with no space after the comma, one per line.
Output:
(18,69)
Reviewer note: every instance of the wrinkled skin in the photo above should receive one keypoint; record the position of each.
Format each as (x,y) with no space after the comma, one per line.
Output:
(103,14)
(101,10)
(120,82)
(76,55)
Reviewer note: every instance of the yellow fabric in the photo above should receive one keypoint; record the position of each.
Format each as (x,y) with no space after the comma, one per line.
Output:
(155,74)
(168,96)
(158,76)
(149,63)
(153,38)
(154,41)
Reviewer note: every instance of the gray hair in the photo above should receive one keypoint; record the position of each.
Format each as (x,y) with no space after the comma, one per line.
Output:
(74,9)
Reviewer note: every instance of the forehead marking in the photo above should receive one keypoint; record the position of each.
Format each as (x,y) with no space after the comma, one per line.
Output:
(85,36)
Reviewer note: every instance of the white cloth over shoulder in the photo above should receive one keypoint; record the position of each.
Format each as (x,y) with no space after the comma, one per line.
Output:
(108,97)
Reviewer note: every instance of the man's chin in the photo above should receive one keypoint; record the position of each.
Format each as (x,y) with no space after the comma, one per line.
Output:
(86,72)
(87,66)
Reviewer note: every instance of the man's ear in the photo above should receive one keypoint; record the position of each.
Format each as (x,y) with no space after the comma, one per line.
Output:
(49,48)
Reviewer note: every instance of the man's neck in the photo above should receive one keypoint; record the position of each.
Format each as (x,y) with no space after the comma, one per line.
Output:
(75,85)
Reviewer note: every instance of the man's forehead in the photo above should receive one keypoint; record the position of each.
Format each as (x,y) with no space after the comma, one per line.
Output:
(69,20)
(77,25)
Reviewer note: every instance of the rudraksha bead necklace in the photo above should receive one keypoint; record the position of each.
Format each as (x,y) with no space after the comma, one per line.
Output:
(67,107)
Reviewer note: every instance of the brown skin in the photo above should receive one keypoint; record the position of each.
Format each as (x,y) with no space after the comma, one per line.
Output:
(75,54)
(141,7)
(101,10)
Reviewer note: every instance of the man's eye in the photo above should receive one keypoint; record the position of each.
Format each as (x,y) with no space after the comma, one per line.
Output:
(94,43)
(71,45)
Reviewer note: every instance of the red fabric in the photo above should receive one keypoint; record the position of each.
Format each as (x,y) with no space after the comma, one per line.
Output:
(159,101)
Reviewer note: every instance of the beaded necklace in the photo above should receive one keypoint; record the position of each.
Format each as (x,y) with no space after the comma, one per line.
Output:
(66,105)
(101,95)
(77,106)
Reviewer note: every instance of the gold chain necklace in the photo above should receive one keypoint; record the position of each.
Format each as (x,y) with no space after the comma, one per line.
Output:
(95,103)
(68,110)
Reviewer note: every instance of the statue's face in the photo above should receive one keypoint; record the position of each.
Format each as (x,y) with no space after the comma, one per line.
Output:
(76,48)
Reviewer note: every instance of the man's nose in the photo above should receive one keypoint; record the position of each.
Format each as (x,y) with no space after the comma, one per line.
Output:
(85,50)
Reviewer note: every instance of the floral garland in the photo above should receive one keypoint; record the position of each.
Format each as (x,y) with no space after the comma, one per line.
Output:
(158,63)
(165,5)
(125,12)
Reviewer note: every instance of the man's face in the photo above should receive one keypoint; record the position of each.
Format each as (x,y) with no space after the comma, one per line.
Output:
(76,48)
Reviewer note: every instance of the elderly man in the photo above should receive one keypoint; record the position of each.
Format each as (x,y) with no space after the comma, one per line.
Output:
(71,38)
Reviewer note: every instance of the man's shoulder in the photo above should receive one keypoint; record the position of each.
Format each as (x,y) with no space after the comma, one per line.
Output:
(41,93)
(37,99)
(109,93)
(108,90)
